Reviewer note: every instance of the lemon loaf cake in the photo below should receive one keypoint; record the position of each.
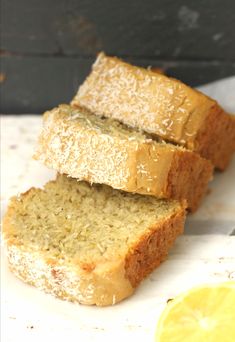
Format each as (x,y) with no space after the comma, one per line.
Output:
(159,105)
(102,150)
(88,244)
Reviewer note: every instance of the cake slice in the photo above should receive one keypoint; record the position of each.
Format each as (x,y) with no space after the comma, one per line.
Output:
(159,105)
(101,150)
(88,244)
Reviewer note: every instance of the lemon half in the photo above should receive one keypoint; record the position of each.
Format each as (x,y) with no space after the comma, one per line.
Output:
(202,314)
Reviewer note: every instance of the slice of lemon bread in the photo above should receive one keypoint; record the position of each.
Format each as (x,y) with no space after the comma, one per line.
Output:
(88,244)
(100,150)
(159,105)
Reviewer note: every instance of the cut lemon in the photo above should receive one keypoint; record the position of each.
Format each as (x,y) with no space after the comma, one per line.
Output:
(203,314)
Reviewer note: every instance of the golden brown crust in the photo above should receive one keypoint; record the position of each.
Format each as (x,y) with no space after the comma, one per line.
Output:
(153,248)
(188,178)
(85,287)
(216,138)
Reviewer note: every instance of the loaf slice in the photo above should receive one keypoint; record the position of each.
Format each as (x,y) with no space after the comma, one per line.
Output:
(88,244)
(100,150)
(159,105)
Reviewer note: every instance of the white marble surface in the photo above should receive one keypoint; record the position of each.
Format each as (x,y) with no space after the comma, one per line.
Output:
(205,253)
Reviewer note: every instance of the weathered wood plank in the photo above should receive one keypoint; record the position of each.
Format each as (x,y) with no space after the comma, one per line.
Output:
(155,28)
(34,84)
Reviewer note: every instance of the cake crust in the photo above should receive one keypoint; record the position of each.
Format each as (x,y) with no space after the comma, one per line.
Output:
(215,140)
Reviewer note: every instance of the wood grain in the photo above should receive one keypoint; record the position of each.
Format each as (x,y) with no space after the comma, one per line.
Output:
(153,28)
(47,47)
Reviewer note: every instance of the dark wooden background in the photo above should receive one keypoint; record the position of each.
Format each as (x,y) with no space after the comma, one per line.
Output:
(48,46)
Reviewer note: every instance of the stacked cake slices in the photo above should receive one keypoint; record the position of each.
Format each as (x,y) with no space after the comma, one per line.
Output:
(160,105)
(133,151)
(100,150)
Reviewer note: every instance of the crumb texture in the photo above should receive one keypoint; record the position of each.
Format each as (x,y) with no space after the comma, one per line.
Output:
(71,219)
(72,238)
